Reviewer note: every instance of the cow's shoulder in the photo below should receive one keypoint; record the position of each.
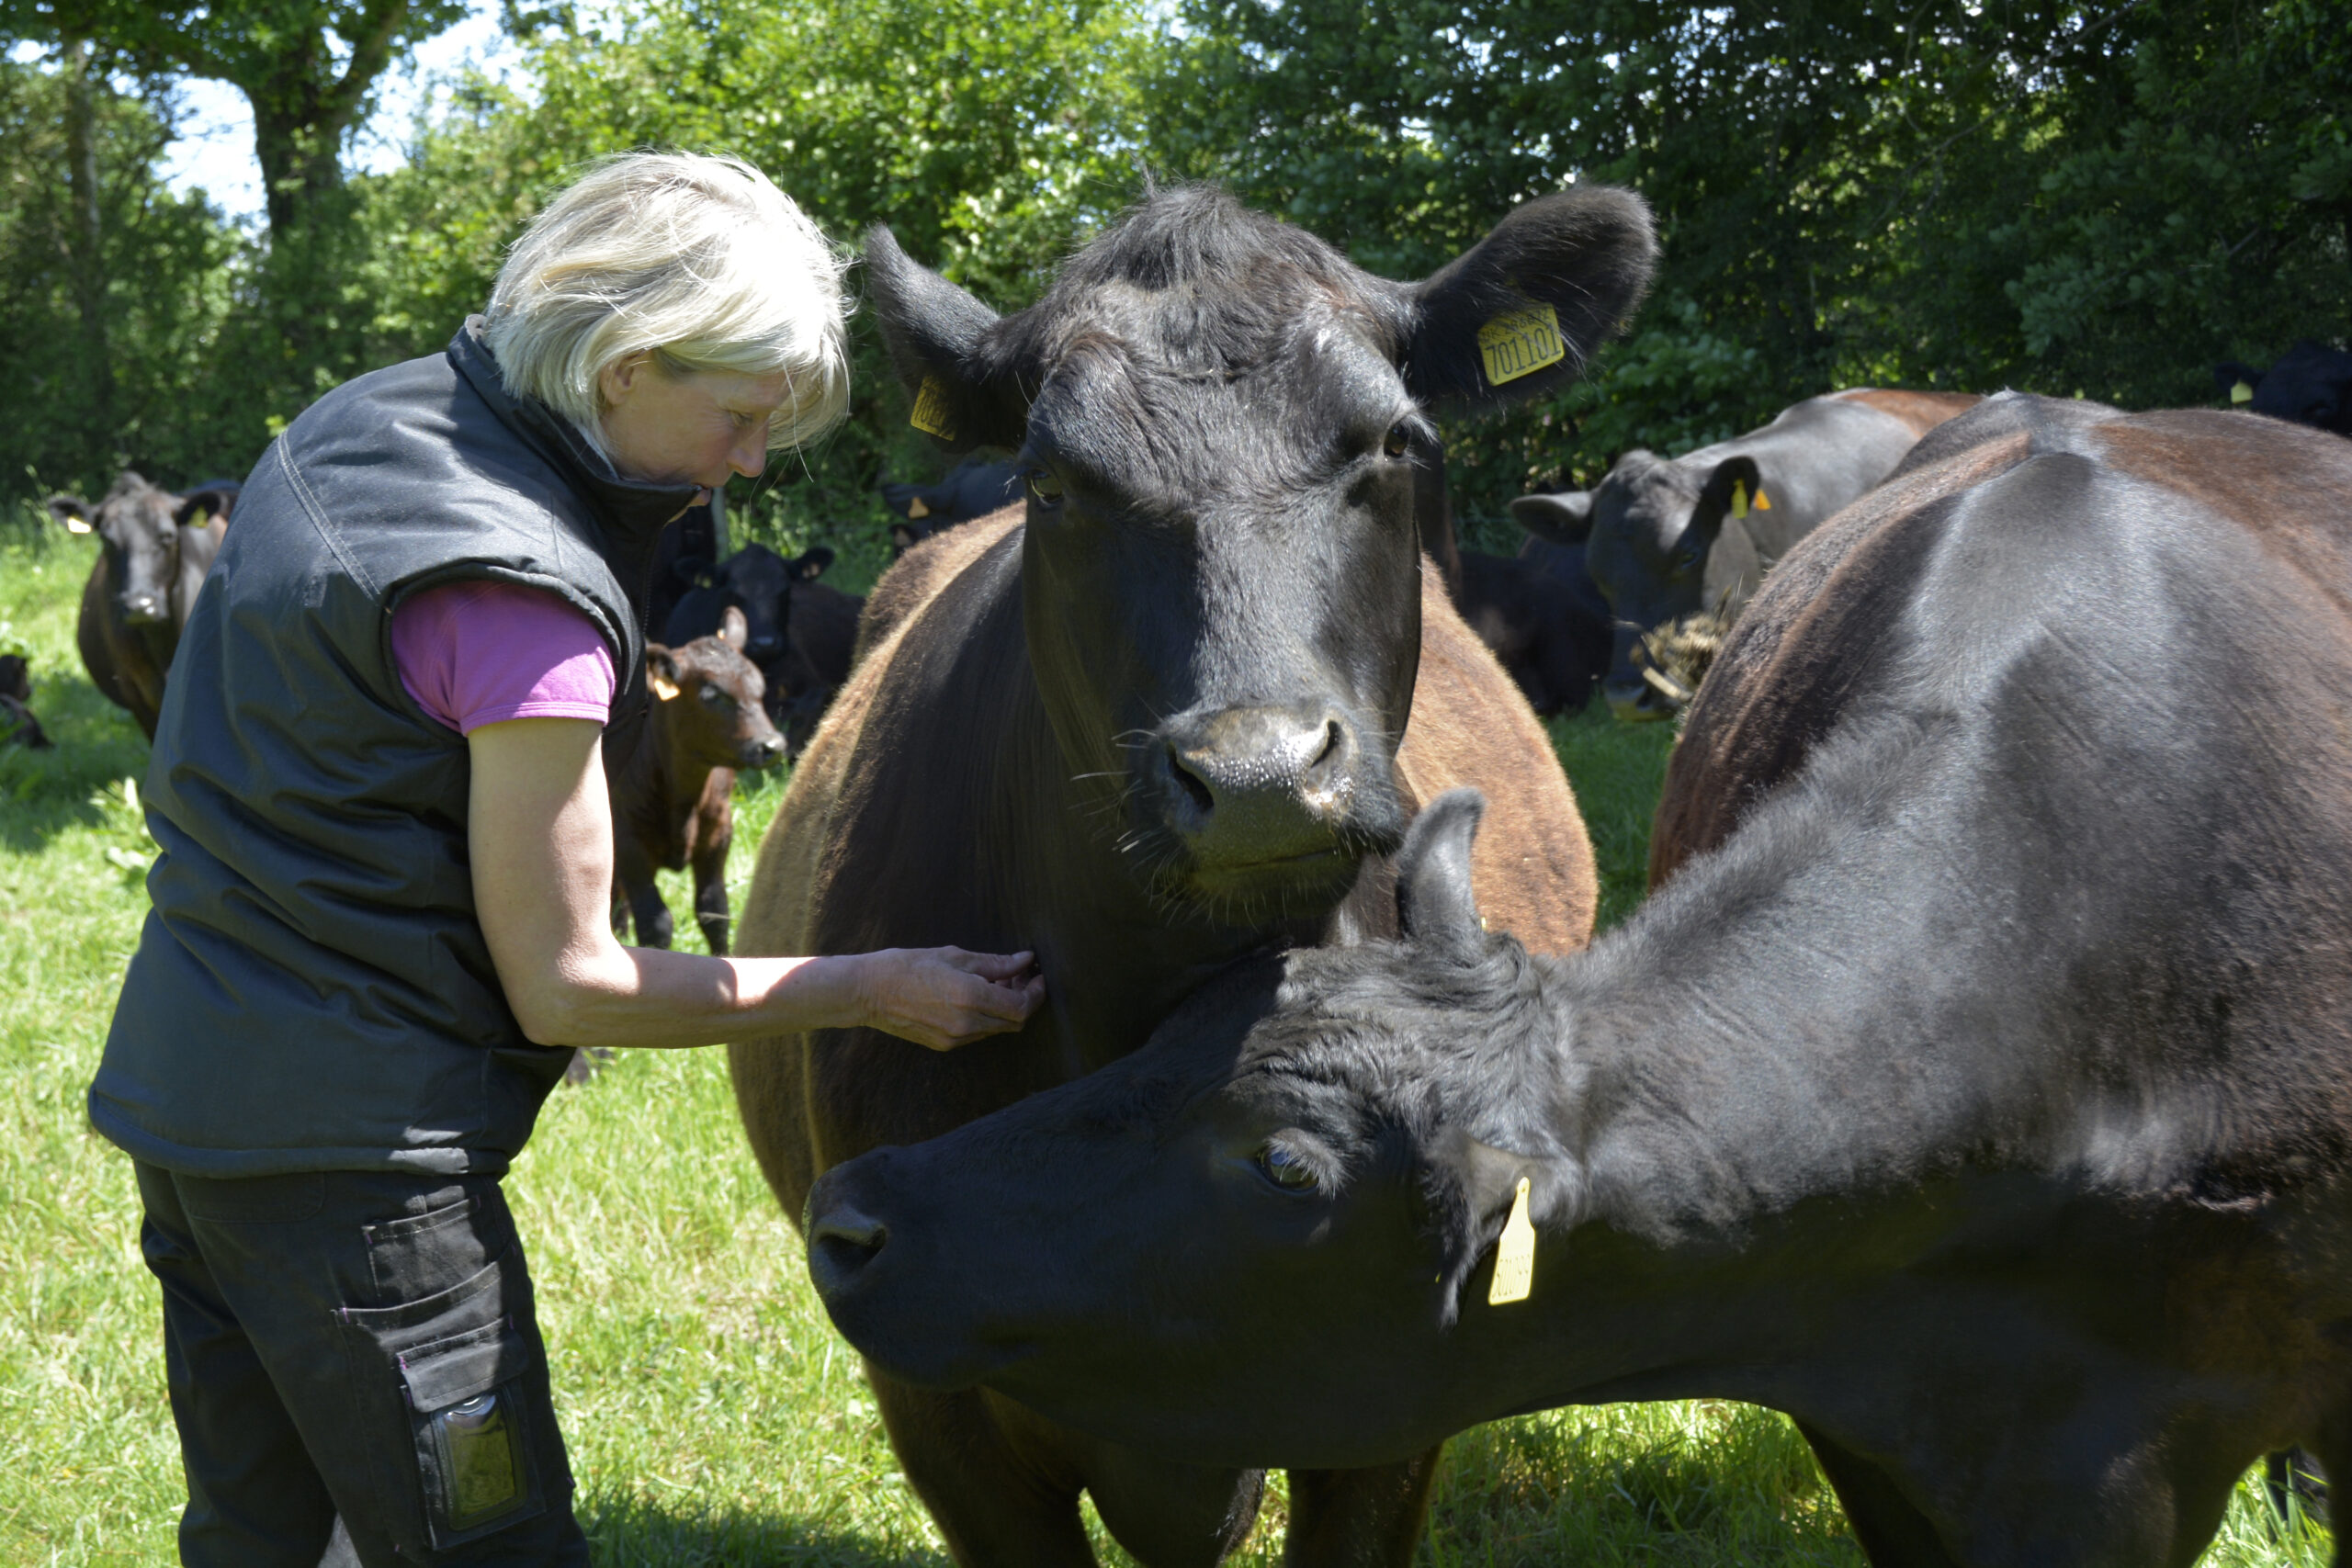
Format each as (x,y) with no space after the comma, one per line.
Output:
(1532,863)
(916,577)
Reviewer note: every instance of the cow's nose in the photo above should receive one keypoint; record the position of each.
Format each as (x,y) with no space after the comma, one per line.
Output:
(766,752)
(1635,701)
(763,644)
(842,1242)
(143,607)
(1248,785)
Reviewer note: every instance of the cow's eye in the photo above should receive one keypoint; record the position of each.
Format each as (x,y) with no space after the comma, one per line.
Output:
(714,695)
(1285,1169)
(1044,489)
(1398,442)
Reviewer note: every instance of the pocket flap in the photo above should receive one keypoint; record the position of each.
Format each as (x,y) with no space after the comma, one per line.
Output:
(449,1371)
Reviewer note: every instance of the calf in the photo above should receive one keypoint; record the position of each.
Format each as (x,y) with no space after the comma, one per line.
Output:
(156,548)
(1549,641)
(1976,1088)
(2310,384)
(673,803)
(1668,537)
(17,724)
(1176,708)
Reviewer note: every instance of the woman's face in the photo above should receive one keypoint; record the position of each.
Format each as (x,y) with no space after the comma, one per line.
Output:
(701,428)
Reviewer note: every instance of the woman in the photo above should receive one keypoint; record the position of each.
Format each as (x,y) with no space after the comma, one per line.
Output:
(382,909)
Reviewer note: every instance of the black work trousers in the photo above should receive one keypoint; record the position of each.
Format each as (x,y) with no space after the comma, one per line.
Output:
(356,1344)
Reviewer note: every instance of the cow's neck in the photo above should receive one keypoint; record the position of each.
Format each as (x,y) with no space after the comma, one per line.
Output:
(1779,1078)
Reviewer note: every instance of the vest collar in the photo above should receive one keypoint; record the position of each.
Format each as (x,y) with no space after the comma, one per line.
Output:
(630,510)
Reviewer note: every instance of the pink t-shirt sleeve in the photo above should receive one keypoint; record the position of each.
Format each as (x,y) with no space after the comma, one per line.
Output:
(475,653)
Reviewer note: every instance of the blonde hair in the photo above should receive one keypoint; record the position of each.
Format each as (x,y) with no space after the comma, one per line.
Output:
(699,262)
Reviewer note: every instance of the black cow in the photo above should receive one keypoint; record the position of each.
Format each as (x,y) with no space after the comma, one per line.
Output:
(972,488)
(1549,637)
(685,556)
(823,632)
(157,548)
(1176,710)
(17,724)
(758,581)
(1666,537)
(2310,384)
(1977,1087)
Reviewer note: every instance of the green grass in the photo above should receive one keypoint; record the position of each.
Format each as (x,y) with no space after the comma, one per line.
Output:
(714,1416)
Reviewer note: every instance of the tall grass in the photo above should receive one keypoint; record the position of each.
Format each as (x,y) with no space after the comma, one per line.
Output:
(714,1416)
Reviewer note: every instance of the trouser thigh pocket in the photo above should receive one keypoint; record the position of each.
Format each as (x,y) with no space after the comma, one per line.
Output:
(461,1369)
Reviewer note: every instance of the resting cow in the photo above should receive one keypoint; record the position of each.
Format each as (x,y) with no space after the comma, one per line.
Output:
(1152,722)
(2310,384)
(672,795)
(758,583)
(822,630)
(1668,536)
(156,548)
(1977,1087)
(1551,641)
(972,488)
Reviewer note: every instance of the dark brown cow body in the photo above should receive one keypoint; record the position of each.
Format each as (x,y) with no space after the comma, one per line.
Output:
(157,548)
(1171,711)
(672,800)
(17,724)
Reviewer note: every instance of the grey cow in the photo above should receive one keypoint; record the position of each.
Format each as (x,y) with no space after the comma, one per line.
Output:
(1664,537)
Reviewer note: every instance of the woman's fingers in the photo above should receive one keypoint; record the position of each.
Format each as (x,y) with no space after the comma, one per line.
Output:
(945,997)
(988,966)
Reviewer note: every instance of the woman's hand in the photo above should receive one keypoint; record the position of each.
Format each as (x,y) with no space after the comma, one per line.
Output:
(944,996)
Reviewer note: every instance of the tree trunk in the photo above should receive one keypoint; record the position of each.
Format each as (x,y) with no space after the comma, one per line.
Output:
(87,251)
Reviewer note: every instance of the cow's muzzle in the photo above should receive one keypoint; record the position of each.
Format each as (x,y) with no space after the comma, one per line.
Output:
(1252,791)
(144,609)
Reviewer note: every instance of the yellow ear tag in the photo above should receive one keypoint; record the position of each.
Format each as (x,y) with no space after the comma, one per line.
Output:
(1763,502)
(1521,342)
(663,687)
(75,526)
(1739,498)
(1514,1254)
(933,415)
(917,509)
(2242,393)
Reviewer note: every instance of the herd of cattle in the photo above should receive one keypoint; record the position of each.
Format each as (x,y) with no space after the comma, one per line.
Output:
(1976,1088)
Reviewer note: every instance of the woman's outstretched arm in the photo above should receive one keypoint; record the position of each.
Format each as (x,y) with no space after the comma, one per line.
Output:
(540,832)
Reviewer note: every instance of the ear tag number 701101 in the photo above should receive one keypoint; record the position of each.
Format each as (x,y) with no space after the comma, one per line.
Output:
(1521,342)
(1514,1254)
(933,414)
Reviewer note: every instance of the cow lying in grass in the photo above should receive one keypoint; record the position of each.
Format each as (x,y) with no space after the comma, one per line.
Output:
(1977,1087)
(1176,709)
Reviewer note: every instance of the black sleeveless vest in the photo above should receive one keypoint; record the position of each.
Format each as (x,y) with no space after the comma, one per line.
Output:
(311,989)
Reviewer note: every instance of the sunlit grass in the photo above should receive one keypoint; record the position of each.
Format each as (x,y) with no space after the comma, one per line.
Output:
(714,1416)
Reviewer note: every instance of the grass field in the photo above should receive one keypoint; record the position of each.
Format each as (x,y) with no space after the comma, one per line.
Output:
(713,1415)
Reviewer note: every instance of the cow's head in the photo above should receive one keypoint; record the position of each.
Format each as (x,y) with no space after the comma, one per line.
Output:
(2310,384)
(712,700)
(1660,542)
(1223,425)
(140,525)
(759,581)
(1265,1236)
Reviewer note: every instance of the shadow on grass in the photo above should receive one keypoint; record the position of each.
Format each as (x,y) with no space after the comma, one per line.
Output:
(632,1532)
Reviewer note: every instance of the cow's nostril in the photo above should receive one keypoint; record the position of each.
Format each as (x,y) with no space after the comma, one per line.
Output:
(1203,798)
(841,1245)
(1333,739)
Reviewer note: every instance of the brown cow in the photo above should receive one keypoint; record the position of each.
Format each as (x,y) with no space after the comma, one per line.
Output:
(672,802)
(157,548)
(1160,720)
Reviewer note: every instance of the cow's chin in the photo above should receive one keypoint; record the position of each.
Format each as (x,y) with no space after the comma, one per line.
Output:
(1302,885)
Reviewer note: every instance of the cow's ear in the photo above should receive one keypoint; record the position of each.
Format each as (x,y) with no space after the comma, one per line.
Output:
(199,507)
(72,511)
(734,629)
(1521,311)
(1436,909)
(1565,518)
(2230,374)
(662,671)
(935,334)
(811,563)
(902,538)
(1730,492)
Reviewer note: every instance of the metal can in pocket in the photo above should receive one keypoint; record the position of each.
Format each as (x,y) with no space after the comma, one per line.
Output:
(481,1466)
